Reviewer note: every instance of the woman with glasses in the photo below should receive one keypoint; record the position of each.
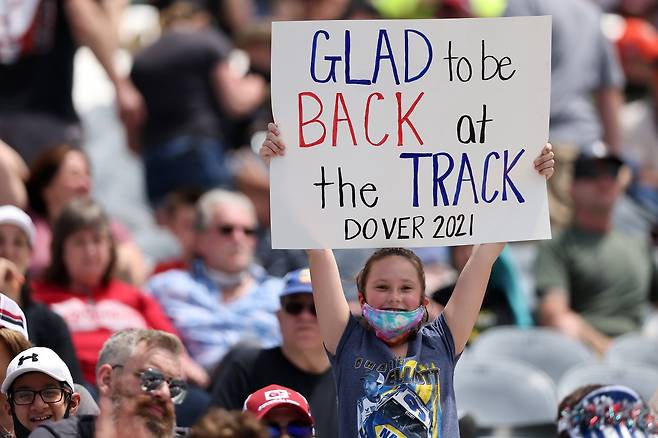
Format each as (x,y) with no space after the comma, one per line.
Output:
(39,388)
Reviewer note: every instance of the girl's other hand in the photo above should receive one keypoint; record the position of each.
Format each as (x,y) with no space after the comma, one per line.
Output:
(273,145)
(545,163)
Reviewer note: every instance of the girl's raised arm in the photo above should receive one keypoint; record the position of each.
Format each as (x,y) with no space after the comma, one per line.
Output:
(330,303)
(463,308)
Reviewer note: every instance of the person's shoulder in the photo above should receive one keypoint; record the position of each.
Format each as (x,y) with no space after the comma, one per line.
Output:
(171,279)
(246,354)
(78,426)
(43,315)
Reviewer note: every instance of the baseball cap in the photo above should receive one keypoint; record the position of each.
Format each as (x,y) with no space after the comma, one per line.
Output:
(275,396)
(296,282)
(10,214)
(594,161)
(589,166)
(11,316)
(37,359)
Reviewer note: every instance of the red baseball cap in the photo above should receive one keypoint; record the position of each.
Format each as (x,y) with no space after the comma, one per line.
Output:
(275,396)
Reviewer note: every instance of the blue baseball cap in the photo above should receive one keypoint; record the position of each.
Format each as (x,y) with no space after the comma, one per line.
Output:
(297,282)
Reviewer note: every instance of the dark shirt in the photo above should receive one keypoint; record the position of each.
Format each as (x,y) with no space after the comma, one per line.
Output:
(48,329)
(245,370)
(175,77)
(37,74)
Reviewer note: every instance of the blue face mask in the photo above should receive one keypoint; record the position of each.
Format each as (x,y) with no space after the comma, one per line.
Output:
(393,326)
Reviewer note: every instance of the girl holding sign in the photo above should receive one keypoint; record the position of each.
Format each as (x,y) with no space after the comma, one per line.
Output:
(394,369)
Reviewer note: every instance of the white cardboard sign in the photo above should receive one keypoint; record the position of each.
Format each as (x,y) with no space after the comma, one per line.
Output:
(409,132)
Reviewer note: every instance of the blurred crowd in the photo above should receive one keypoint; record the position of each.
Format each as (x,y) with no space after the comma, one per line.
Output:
(227,315)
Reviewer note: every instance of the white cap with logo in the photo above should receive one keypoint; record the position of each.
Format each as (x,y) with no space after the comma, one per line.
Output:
(40,360)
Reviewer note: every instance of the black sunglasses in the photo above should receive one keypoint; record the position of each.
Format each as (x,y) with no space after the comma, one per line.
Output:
(297,307)
(228,230)
(295,430)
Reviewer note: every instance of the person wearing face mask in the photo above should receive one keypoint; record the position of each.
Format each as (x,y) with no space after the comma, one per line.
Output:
(299,363)
(39,388)
(417,360)
(224,297)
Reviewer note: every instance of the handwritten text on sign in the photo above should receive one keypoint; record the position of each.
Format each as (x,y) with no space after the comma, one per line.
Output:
(409,133)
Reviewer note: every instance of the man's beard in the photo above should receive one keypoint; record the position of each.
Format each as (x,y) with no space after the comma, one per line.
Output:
(160,426)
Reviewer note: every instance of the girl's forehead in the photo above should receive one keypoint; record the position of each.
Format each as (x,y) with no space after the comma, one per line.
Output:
(34,380)
(393,261)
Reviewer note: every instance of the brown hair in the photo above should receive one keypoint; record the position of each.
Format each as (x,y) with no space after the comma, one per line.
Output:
(219,423)
(79,214)
(14,341)
(362,277)
(43,172)
(172,201)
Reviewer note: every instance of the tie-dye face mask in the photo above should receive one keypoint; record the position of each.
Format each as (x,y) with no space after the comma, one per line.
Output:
(393,326)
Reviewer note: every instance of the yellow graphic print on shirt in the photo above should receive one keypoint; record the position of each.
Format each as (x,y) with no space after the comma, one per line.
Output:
(403,403)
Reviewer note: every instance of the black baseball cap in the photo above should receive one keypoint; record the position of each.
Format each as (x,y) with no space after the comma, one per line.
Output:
(588,166)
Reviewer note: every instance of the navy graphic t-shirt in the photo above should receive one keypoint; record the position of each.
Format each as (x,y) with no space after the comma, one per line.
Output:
(382,396)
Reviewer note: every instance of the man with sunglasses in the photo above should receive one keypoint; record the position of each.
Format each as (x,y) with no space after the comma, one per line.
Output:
(139,372)
(285,412)
(224,297)
(593,281)
(300,362)
(39,388)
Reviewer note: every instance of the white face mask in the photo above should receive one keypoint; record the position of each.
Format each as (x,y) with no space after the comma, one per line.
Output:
(222,279)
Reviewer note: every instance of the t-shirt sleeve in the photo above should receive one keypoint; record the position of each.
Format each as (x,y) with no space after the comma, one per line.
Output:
(610,73)
(231,386)
(440,327)
(350,329)
(218,46)
(550,268)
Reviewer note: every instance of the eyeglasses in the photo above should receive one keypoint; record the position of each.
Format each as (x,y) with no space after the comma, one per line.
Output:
(297,307)
(295,430)
(228,230)
(151,380)
(48,395)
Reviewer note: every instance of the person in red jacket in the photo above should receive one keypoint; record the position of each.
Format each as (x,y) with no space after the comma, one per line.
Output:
(80,285)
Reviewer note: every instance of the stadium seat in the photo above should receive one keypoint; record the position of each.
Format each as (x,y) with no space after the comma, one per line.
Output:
(650,327)
(641,378)
(543,348)
(633,348)
(504,393)
(88,405)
